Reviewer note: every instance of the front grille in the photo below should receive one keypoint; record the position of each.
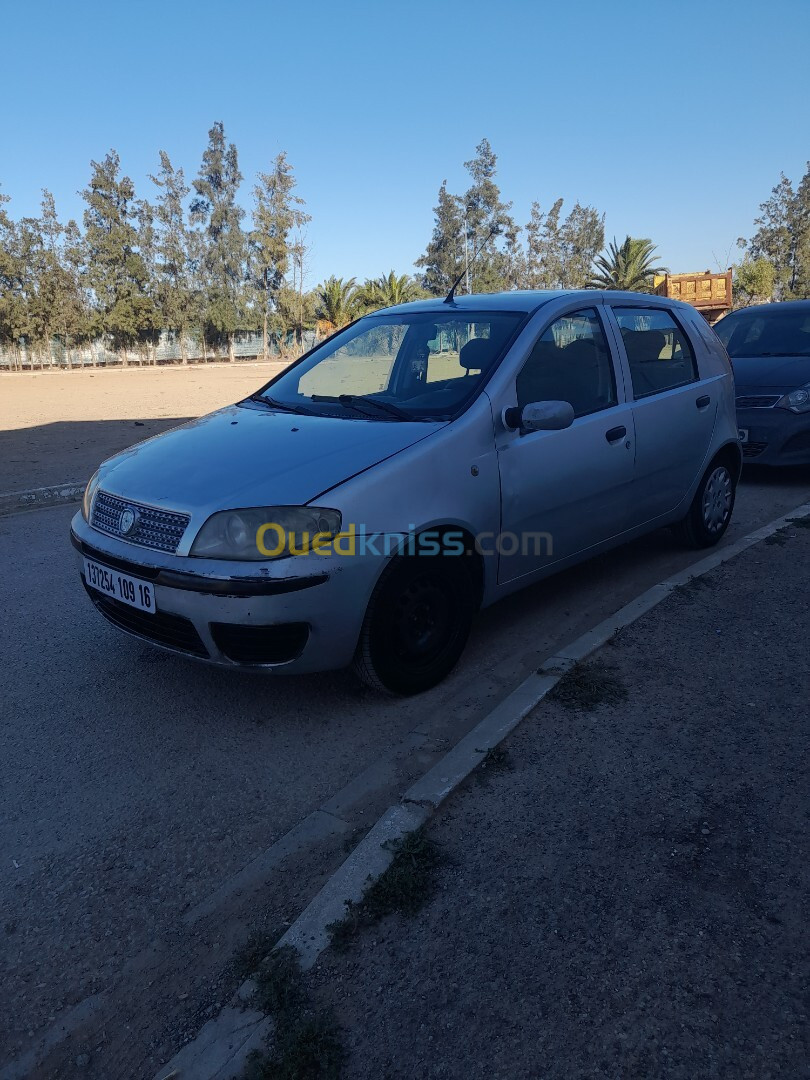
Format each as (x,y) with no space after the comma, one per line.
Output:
(161,627)
(159,529)
(757,401)
(753,449)
(260,644)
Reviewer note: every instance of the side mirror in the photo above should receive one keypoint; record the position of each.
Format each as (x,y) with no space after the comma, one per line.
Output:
(540,416)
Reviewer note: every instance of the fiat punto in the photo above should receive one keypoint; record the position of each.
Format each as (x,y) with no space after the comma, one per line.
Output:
(421,463)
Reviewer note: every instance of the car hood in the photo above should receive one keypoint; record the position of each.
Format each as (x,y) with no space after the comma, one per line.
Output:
(249,456)
(773,372)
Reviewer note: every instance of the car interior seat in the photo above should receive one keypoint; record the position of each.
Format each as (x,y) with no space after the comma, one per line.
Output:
(476,355)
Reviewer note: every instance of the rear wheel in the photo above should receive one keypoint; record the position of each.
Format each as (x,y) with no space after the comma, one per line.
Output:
(417,623)
(711,509)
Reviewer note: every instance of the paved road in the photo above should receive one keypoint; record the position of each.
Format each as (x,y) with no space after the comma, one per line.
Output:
(135,787)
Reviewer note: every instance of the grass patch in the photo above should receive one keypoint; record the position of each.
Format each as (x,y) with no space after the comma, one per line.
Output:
(248,959)
(587,685)
(306,1042)
(279,984)
(402,889)
(800,523)
(776,539)
(308,1048)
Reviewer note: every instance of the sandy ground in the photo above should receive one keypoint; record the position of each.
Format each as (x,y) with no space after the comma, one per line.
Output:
(625,898)
(56,427)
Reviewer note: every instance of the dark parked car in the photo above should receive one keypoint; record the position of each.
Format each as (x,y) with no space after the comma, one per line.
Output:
(769,347)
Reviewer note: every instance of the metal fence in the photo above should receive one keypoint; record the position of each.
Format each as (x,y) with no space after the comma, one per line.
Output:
(169,348)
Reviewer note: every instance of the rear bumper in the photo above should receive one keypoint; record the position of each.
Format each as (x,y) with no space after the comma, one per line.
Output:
(775,436)
(303,623)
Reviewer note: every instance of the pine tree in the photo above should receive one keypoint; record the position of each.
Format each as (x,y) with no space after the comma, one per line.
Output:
(544,247)
(485,213)
(582,237)
(776,238)
(57,304)
(276,213)
(561,252)
(173,284)
(783,237)
(12,306)
(222,251)
(116,271)
(444,258)
(801,217)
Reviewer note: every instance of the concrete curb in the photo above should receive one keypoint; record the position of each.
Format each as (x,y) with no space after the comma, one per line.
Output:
(12,502)
(220,1053)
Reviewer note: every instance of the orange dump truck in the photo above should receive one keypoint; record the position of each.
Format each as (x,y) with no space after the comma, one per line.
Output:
(709,293)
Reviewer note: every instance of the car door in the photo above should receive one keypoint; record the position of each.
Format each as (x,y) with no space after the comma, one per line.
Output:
(564,491)
(674,409)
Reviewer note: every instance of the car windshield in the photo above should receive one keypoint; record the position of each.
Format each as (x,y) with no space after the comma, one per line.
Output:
(760,332)
(420,366)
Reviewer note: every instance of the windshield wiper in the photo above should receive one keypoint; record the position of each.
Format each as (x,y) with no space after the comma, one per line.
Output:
(283,406)
(357,401)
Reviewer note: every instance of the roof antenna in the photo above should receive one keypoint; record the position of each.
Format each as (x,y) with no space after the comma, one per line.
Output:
(451,297)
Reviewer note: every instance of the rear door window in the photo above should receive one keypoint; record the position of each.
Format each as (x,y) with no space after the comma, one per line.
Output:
(659,353)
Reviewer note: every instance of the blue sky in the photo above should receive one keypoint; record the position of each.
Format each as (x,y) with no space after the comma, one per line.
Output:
(676,120)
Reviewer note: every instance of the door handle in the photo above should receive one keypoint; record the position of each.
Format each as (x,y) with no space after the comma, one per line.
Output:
(616,433)
(703,401)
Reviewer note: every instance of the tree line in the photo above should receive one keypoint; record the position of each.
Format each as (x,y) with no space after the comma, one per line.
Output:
(191,260)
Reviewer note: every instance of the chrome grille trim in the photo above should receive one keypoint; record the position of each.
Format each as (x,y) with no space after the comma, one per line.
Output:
(757,401)
(161,530)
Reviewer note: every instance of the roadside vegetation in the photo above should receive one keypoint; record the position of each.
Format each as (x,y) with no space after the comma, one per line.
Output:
(305,1044)
(587,685)
(403,889)
(191,265)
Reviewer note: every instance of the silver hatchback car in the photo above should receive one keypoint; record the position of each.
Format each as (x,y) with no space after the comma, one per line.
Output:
(421,463)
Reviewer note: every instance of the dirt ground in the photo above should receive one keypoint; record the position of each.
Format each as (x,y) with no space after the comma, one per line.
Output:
(625,895)
(56,427)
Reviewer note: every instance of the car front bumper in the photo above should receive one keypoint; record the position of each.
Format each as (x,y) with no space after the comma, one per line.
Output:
(775,436)
(301,614)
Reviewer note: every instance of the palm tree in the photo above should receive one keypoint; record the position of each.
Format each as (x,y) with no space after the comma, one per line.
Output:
(627,267)
(388,290)
(337,302)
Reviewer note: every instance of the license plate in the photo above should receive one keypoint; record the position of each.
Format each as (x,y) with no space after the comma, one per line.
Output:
(129,590)
(743,434)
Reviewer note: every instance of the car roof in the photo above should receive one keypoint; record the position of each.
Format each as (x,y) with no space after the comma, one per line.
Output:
(528,300)
(780,305)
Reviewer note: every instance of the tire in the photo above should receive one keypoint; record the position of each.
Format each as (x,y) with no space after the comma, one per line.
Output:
(711,509)
(417,623)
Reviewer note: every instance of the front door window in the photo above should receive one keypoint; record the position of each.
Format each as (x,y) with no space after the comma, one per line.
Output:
(571,362)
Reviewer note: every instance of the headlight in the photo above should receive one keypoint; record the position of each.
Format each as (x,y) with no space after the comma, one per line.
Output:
(266,532)
(797,401)
(89,492)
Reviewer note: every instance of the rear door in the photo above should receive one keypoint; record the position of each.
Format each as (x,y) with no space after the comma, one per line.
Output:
(674,408)
(564,491)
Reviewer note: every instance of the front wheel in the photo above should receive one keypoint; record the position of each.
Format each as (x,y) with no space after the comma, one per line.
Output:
(711,509)
(417,623)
